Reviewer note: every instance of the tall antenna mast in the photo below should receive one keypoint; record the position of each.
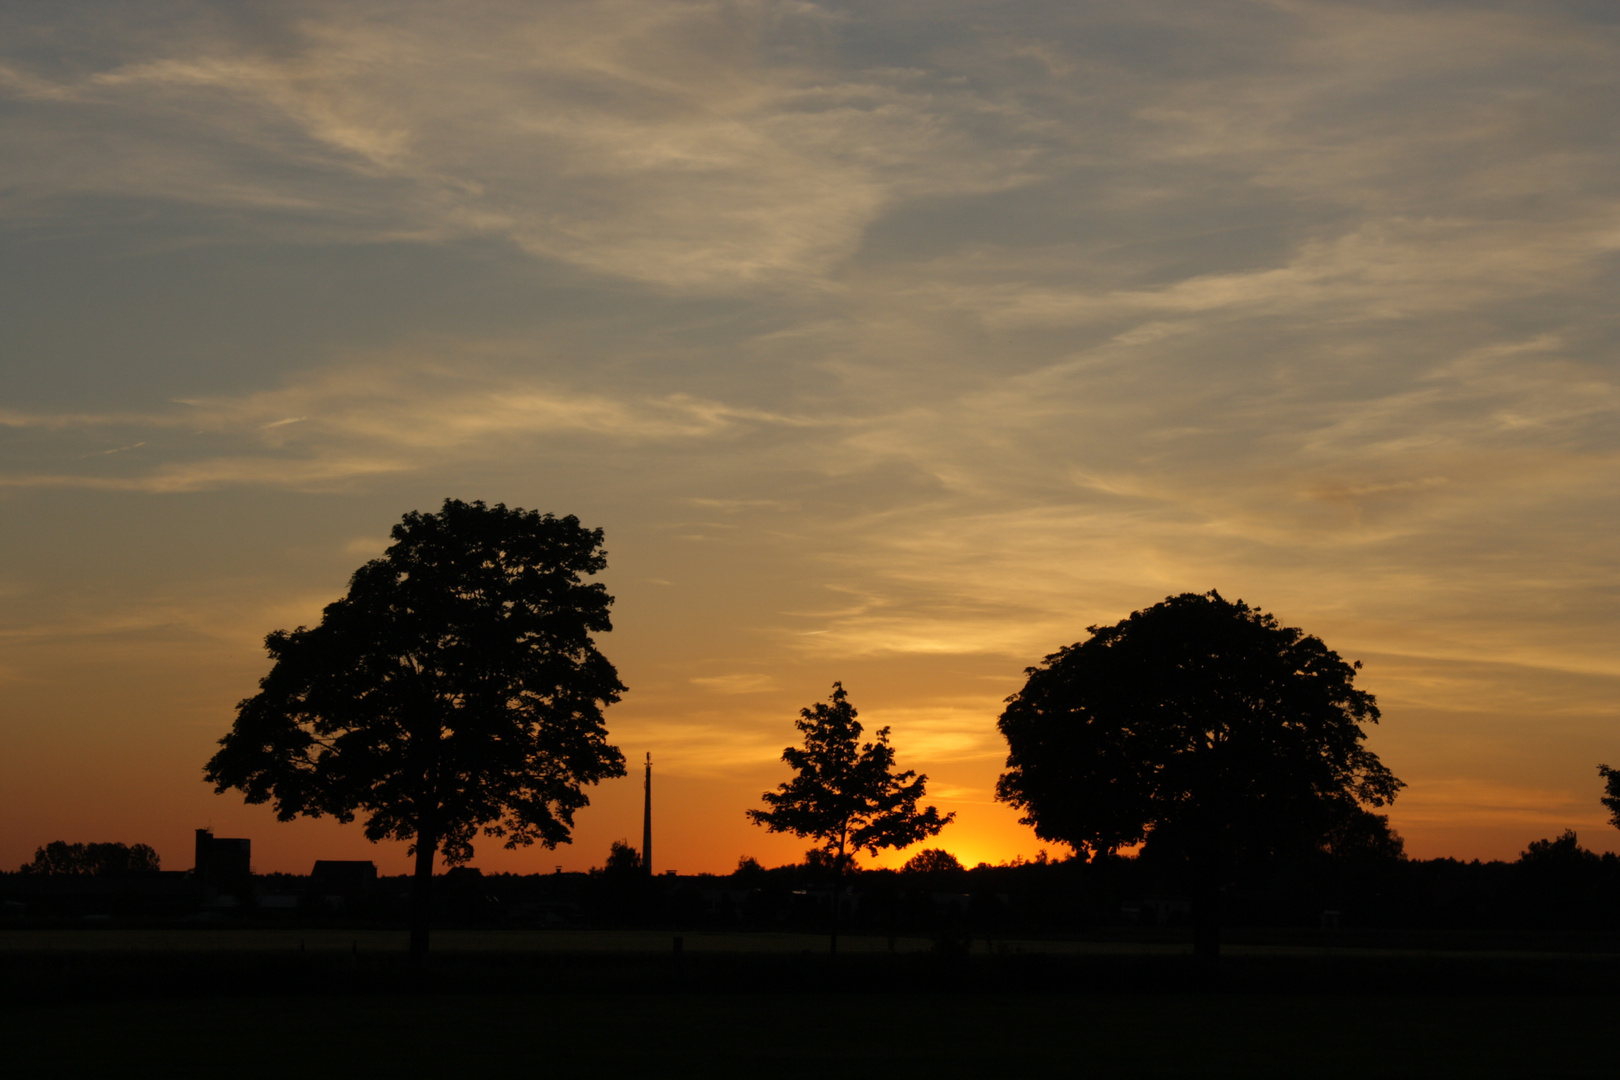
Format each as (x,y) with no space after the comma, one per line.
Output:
(646,820)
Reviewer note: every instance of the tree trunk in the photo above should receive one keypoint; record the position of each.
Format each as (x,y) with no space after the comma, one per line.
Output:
(838,894)
(1210,849)
(422,896)
(837,902)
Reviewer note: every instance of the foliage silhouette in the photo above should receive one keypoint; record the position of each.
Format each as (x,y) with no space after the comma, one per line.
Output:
(931,861)
(1563,851)
(1611,793)
(455,688)
(1201,728)
(1355,835)
(846,794)
(104,860)
(1559,878)
(622,859)
(823,864)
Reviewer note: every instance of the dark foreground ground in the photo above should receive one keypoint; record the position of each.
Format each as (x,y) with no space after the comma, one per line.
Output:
(796,1035)
(316,1005)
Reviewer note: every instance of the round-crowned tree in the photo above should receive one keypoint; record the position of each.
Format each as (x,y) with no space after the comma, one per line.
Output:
(932,861)
(455,689)
(1204,730)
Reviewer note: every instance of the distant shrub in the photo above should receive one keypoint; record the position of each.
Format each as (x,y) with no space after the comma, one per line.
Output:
(60,857)
(931,861)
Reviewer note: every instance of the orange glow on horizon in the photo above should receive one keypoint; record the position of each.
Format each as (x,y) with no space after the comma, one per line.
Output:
(860,385)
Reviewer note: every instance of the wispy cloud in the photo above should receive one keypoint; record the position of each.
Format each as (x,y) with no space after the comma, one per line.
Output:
(645,141)
(1481,802)
(738,683)
(367,420)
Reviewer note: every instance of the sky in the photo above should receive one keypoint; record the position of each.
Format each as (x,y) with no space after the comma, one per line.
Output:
(893,344)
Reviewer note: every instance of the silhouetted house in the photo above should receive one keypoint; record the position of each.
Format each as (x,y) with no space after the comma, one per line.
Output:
(1157,910)
(728,907)
(557,900)
(222,863)
(344,883)
(344,872)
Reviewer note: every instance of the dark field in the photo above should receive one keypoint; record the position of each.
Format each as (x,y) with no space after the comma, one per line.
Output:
(252,1003)
(794,1035)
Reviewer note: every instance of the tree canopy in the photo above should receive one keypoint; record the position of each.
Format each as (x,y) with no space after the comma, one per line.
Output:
(1201,728)
(1611,793)
(1562,850)
(455,688)
(105,860)
(846,794)
(623,860)
(931,861)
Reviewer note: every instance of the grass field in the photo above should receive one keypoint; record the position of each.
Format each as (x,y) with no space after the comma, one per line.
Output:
(273,940)
(793,1035)
(317,1003)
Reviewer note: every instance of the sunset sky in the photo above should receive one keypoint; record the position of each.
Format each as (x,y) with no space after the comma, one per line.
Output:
(888,343)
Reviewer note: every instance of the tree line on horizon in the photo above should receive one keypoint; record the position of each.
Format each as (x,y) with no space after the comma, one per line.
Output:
(1555,885)
(456,690)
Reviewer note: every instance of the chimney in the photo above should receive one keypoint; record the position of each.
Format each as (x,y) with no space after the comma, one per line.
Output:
(646,820)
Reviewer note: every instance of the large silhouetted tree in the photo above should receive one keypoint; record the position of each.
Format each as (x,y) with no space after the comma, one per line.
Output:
(456,688)
(1201,728)
(1611,793)
(846,795)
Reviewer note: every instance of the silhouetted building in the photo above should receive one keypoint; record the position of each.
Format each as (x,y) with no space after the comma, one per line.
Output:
(349,884)
(222,862)
(344,873)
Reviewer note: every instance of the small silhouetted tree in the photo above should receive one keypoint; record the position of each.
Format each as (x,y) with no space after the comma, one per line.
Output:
(456,688)
(931,861)
(1558,876)
(1611,793)
(1201,728)
(104,860)
(846,794)
(1562,851)
(823,864)
(622,858)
